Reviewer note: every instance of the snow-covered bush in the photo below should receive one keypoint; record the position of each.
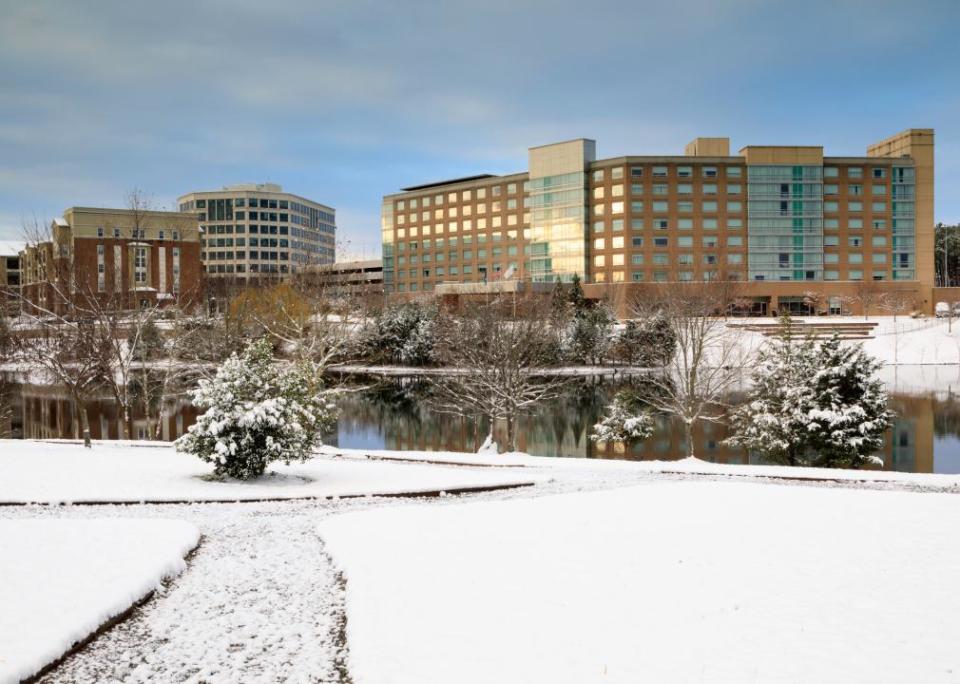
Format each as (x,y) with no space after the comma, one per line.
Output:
(257,411)
(401,334)
(589,336)
(650,342)
(813,404)
(626,420)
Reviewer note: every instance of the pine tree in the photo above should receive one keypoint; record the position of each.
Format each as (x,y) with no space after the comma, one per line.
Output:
(626,420)
(576,297)
(850,416)
(813,404)
(257,411)
(772,421)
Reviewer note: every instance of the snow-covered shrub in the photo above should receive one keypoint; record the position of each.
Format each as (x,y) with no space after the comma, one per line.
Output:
(401,334)
(650,342)
(813,404)
(626,420)
(589,336)
(257,411)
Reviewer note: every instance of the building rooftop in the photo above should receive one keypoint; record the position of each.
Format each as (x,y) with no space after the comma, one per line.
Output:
(11,247)
(451,181)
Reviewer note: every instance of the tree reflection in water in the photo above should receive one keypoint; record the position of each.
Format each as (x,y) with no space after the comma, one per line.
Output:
(395,414)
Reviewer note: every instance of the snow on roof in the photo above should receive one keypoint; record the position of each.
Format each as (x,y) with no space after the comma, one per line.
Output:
(11,247)
(61,222)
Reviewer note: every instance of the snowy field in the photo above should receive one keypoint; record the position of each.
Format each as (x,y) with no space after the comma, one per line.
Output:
(667,582)
(63,579)
(600,566)
(50,472)
(685,466)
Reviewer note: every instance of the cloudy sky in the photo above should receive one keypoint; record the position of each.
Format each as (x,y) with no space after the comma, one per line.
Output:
(343,102)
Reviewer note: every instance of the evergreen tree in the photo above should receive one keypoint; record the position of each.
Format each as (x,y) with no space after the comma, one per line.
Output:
(401,334)
(151,342)
(773,419)
(576,297)
(257,411)
(650,342)
(626,421)
(850,415)
(813,404)
(559,302)
(590,336)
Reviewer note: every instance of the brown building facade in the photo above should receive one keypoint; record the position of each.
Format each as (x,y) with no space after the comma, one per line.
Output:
(127,258)
(786,222)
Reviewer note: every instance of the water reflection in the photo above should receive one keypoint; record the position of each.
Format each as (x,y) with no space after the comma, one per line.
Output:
(395,415)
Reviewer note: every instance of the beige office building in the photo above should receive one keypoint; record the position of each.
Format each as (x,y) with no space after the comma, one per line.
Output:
(254,230)
(784,220)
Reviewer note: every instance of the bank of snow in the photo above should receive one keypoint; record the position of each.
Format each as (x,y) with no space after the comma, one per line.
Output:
(60,580)
(684,466)
(45,472)
(664,582)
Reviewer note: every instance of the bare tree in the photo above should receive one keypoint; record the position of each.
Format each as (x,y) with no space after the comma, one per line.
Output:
(494,365)
(71,353)
(709,360)
(869,294)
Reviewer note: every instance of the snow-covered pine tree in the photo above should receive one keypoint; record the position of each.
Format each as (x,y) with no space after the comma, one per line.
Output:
(772,421)
(626,421)
(813,404)
(257,412)
(850,414)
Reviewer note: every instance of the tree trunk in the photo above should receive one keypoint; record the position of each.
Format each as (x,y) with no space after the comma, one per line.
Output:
(688,435)
(84,424)
(511,433)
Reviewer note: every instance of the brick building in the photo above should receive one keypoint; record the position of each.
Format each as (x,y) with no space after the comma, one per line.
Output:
(785,221)
(121,257)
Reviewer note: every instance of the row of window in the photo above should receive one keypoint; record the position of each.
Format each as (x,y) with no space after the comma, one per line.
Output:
(222,209)
(242,242)
(253,254)
(664,189)
(616,172)
(904,174)
(452,197)
(138,233)
(242,268)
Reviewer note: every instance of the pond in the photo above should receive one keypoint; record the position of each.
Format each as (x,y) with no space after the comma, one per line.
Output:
(394,414)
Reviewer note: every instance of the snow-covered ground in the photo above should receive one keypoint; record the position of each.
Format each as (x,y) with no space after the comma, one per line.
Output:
(686,466)
(668,582)
(906,341)
(63,472)
(60,580)
(262,600)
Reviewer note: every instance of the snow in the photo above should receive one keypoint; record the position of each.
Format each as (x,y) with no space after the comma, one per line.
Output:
(59,472)
(684,466)
(63,579)
(10,248)
(906,341)
(665,582)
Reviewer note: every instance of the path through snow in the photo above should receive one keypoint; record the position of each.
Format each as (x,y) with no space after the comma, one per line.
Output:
(260,599)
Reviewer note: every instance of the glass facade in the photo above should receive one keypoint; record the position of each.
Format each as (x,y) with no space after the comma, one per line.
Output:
(903,191)
(558,219)
(785,222)
(387,234)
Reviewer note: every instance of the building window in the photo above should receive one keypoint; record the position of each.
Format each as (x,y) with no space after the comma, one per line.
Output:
(140,265)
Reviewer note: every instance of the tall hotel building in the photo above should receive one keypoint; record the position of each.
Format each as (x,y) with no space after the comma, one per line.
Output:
(784,220)
(255,229)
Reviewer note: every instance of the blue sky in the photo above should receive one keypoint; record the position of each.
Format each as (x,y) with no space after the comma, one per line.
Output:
(343,102)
